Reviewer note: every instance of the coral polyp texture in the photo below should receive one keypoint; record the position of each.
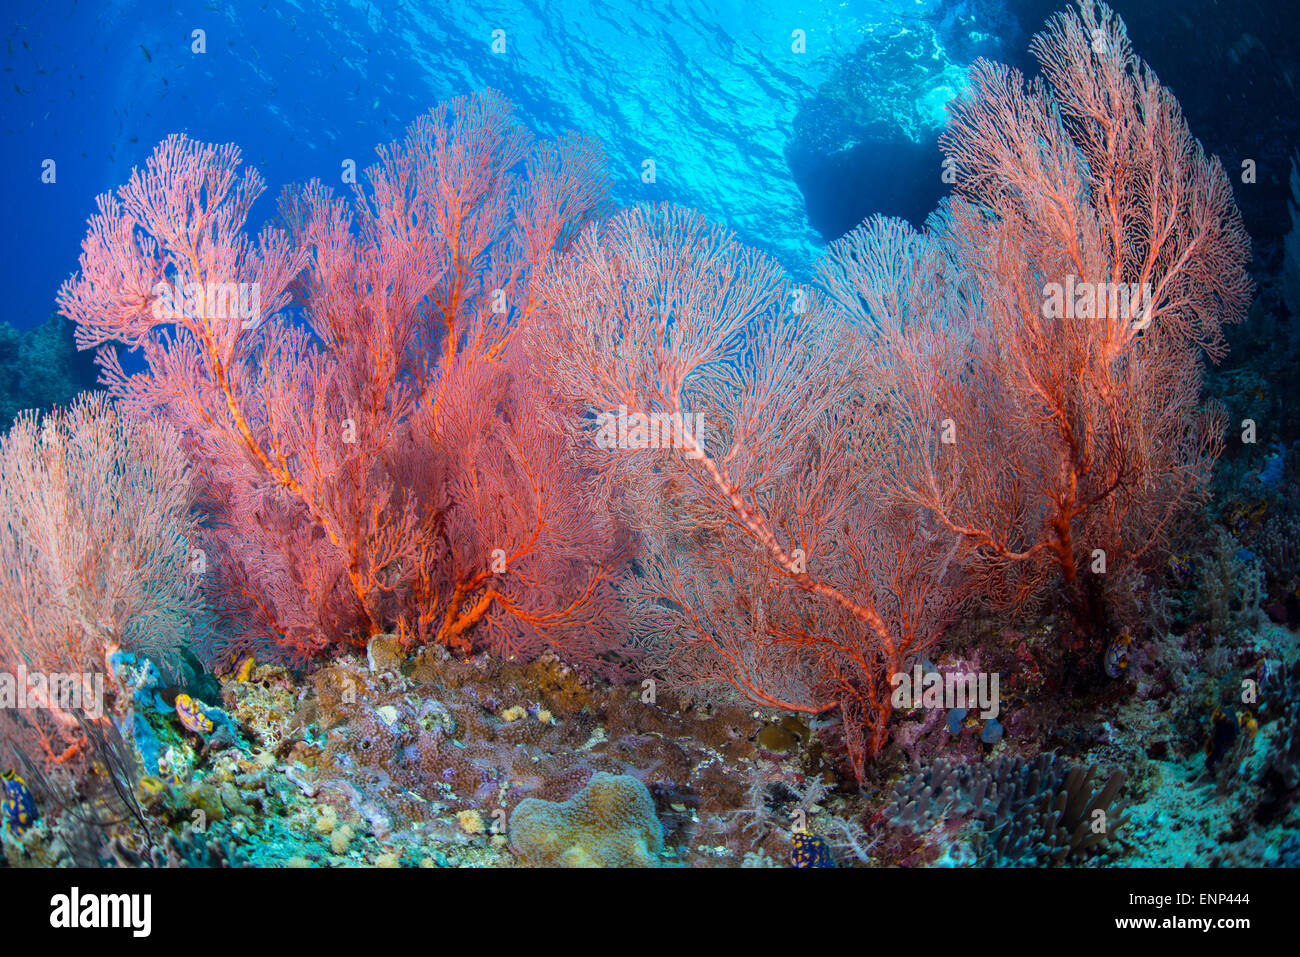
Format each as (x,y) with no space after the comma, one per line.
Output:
(510,501)
(611,822)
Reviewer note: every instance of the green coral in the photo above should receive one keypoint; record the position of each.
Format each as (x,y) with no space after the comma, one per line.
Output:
(611,822)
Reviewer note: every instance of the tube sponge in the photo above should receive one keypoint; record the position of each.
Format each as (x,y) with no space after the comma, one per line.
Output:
(611,822)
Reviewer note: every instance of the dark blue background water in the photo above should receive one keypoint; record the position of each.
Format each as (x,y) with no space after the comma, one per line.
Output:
(787,149)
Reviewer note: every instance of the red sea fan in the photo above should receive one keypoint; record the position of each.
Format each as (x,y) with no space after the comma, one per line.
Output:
(529,553)
(828,483)
(774,568)
(1093,252)
(344,495)
(95,529)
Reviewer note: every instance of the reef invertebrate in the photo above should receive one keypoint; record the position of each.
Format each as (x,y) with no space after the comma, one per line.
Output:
(382,458)
(611,822)
(1026,813)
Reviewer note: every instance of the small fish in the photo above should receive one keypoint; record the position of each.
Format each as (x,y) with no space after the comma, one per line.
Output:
(145,50)
(1117,655)
(191,714)
(810,851)
(1182,568)
(16,802)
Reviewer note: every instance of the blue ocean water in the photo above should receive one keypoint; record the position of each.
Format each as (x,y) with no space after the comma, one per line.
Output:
(718,94)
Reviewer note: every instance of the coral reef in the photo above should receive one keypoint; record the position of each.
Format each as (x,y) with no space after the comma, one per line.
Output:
(855,478)
(41,368)
(533,533)
(1027,813)
(1279,779)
